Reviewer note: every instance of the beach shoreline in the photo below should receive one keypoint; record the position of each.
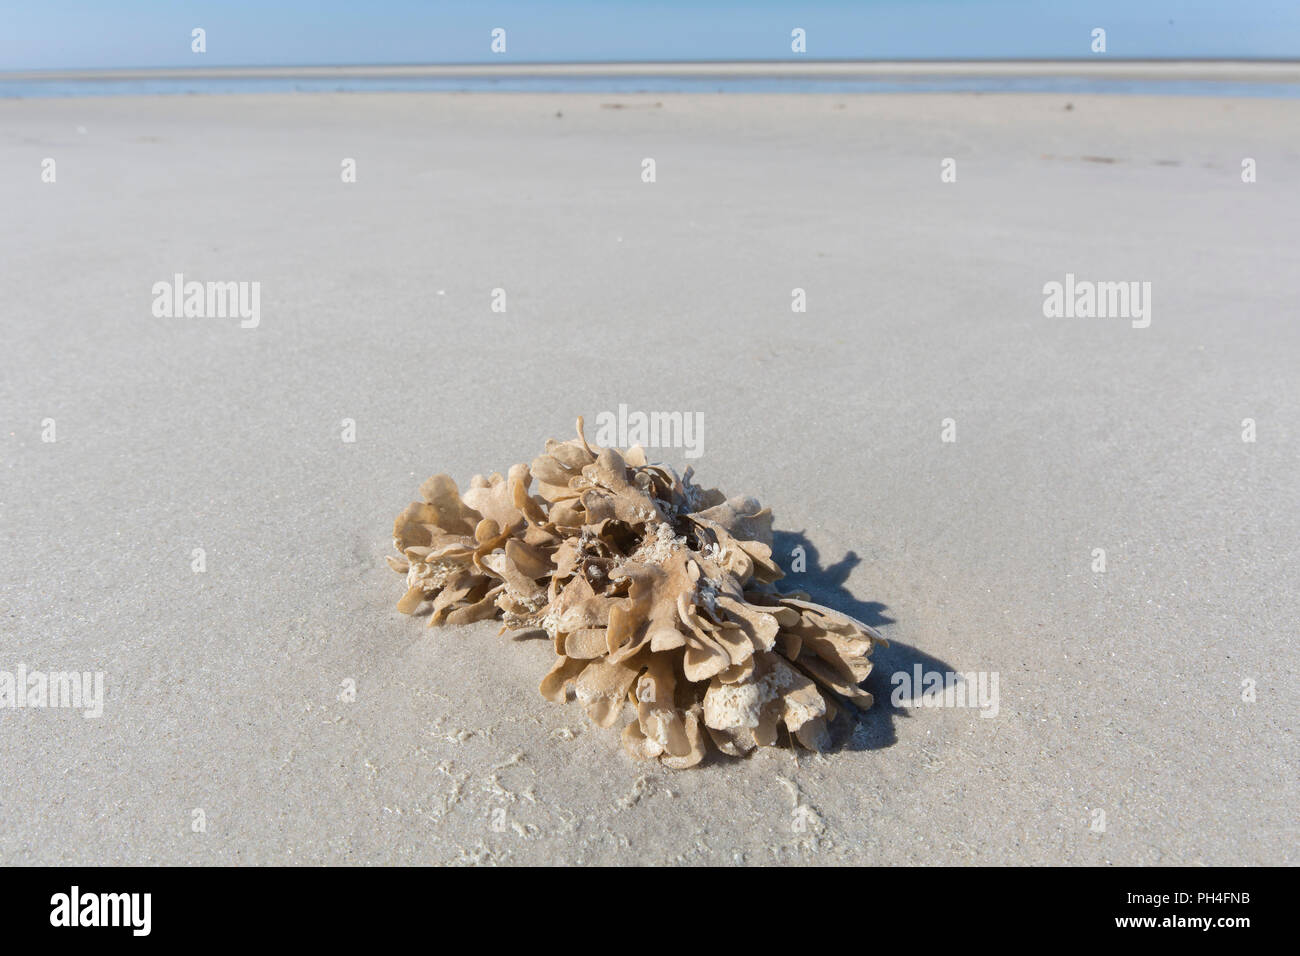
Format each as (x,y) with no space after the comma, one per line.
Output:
(1226,78)
(1283,70)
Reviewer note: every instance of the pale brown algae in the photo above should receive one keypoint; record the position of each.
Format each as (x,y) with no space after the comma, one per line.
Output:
(656,593)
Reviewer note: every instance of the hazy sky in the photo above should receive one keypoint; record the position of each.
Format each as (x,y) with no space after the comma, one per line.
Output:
(50,34)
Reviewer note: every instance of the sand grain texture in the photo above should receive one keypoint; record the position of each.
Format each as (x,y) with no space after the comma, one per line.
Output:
(1119,691)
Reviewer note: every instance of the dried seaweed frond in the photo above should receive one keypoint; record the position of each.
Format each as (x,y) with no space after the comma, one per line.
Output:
(655,593)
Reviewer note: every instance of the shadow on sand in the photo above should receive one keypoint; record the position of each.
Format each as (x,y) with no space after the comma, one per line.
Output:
(853,730)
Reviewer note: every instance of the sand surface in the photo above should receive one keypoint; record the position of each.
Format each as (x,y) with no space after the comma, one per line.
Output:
(1119,691)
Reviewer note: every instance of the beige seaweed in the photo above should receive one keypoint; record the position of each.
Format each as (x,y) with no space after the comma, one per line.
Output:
(656,593)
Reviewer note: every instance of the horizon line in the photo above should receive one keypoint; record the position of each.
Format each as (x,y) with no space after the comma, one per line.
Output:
(1184,67)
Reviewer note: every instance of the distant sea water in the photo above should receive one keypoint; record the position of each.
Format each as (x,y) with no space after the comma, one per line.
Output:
(27,86)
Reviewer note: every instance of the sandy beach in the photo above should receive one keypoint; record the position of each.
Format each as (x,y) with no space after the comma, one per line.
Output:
(274,707)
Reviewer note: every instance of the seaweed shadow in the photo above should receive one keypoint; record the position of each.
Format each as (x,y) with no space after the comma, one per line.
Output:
(853,730)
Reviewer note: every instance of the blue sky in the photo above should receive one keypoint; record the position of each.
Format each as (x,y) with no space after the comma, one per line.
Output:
(61,34)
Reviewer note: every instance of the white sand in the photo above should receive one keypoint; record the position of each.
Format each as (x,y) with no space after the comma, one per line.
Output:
(1119,691)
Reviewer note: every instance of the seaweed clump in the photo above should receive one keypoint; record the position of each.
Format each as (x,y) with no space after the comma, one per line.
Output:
(655,592)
